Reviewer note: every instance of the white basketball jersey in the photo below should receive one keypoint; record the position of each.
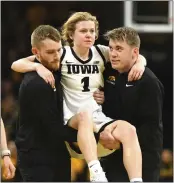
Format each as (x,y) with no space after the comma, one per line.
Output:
(80,79)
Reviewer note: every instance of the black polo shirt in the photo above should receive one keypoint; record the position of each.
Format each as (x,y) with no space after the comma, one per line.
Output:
(140,103)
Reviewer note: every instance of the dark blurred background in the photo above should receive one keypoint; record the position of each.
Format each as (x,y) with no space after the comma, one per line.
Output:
(19,19)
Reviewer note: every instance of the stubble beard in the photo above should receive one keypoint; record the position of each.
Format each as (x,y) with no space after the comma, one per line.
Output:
(52,66)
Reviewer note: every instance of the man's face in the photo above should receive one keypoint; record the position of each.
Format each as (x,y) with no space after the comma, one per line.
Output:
(49,54)
(122,55)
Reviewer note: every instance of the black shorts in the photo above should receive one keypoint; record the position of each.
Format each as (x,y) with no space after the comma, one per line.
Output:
(72,133)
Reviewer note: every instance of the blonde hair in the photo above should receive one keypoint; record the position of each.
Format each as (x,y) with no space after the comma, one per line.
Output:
(43,32)
(69,26)
(127,34)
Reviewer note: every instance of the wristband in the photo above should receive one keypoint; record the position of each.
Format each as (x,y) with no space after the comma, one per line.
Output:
(5,153)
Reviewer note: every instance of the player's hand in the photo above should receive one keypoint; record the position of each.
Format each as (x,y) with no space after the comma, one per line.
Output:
(136,71)
(9,168)
(45,74)
(99,96)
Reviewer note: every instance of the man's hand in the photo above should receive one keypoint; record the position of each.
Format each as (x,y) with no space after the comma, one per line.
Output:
(99,96)
(138,68)
(107,139)
(45,74)
(9,168)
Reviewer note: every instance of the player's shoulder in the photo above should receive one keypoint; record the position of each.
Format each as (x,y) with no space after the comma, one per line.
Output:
(66,51)
(66,48)
(101,48)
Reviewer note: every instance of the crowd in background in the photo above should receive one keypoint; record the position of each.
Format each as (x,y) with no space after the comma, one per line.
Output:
(19,19)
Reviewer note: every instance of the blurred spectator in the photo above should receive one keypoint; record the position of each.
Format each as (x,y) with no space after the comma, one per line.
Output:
(8,107)
(166,172)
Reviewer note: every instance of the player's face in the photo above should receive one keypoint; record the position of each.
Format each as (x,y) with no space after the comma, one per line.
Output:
(122,56)
(84,34)
(49,54)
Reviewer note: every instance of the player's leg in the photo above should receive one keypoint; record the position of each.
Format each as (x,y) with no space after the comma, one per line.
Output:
(85,136)
(87,144)
(132,157)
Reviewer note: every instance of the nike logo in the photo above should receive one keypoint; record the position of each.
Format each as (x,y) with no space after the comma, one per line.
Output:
(128,85)
(68,62)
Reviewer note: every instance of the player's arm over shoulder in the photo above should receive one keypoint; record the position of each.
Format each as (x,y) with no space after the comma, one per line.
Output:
(23,65)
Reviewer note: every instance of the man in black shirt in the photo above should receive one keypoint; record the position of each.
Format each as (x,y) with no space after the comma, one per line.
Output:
(40,138)
(138,102)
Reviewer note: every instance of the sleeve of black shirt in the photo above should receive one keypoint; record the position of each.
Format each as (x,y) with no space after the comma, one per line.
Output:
(151,101)
(45,105)
(150,106)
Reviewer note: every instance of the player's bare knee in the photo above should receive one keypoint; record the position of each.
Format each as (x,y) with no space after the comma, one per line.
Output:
(125,132)
(84,119)
(129,133)
(83,115)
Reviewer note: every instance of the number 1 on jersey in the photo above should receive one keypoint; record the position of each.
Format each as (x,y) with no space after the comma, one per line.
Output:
(85,80)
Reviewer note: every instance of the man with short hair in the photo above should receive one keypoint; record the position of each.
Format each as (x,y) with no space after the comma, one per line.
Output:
(139,102)
(40,138)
